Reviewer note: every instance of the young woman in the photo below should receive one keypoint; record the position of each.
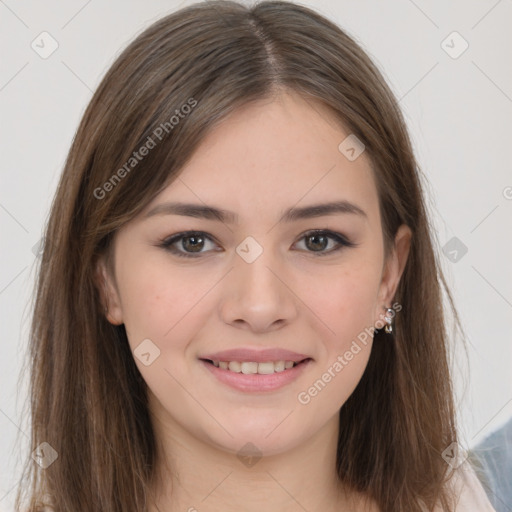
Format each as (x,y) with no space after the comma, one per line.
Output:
(239,305)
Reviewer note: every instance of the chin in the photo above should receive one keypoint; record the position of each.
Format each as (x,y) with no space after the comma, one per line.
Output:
(270,436)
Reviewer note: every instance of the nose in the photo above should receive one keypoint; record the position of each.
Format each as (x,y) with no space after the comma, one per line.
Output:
(258,296)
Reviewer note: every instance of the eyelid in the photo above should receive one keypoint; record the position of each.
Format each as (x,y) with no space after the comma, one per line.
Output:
(341,240)
(168,242)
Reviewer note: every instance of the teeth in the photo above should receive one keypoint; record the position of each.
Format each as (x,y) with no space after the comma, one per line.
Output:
(246,367)
(235,366)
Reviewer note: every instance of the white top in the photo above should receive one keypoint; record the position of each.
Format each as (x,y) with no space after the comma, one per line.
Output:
(471,495)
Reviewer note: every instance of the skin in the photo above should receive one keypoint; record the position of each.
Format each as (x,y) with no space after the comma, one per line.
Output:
(265,158)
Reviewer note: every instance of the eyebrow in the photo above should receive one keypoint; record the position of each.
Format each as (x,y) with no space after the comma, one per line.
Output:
(292,214)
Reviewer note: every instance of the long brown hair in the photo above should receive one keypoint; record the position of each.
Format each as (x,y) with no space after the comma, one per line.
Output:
(87,398)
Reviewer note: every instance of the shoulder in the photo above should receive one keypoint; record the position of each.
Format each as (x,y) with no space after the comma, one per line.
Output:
(468,492)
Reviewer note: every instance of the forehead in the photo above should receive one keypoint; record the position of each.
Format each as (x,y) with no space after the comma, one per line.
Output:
(271,155)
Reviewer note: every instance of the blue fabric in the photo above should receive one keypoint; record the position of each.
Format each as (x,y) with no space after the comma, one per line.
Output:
(494,456)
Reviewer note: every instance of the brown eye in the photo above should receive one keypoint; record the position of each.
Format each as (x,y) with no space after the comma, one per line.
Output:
(192,243)
(320,240)
(317,242)
(188,244)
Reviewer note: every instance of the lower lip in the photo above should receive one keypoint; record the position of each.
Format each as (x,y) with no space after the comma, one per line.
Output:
(255,381)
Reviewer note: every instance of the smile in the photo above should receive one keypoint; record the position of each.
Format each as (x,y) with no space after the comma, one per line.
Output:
(250,367)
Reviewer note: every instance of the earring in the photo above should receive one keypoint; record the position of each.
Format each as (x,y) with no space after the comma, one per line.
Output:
(389,320)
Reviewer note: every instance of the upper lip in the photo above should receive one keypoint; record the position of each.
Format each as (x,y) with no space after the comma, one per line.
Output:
(257,356)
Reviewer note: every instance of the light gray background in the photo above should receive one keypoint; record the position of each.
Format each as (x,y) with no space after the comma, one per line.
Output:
(458,110)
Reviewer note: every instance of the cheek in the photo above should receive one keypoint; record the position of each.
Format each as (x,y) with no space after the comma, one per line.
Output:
(346,307)
(161,302)
(144,291)
(345,303)
(162,305)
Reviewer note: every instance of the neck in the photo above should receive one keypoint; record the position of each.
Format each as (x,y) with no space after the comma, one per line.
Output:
(197,476)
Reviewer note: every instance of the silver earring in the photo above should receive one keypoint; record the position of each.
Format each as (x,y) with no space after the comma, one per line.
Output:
(389,320)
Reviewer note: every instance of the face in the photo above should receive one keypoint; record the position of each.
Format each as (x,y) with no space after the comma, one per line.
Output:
(254,277)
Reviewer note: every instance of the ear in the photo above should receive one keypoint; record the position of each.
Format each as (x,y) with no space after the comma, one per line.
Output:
(393,269)
(108,292)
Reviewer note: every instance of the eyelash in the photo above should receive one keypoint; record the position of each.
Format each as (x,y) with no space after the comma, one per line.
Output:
(168,243)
